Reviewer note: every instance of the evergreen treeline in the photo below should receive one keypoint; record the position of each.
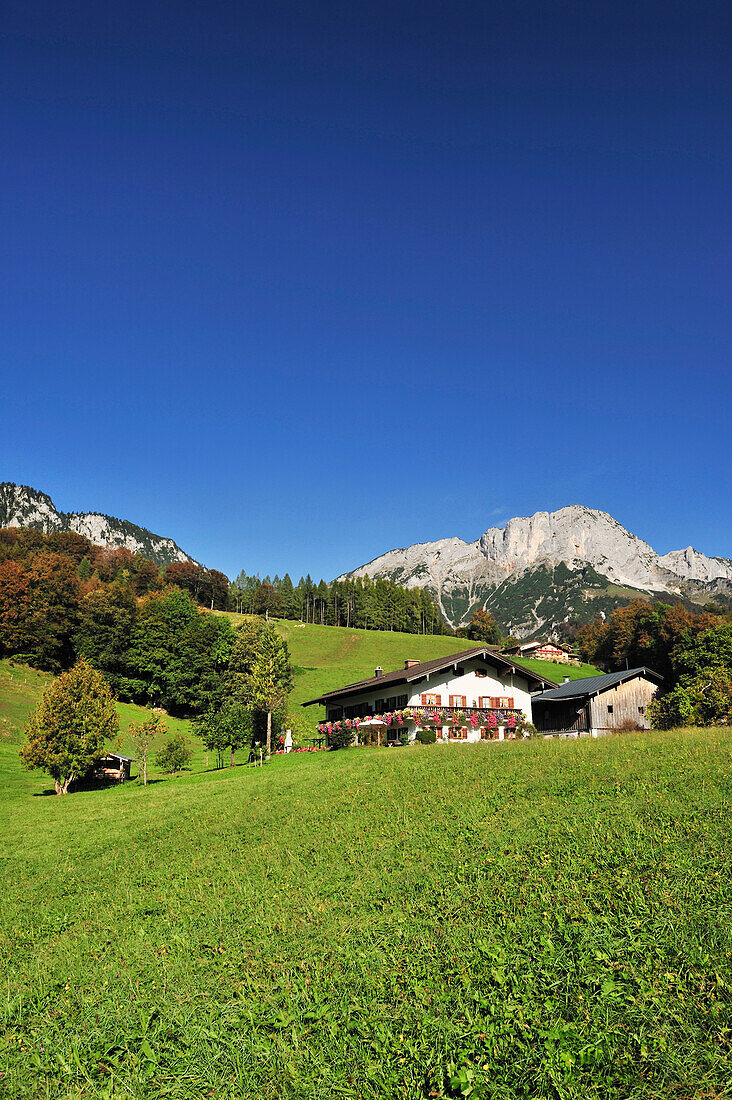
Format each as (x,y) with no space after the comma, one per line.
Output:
(362,603)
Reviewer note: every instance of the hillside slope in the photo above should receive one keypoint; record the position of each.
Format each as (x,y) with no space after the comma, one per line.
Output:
(21,506)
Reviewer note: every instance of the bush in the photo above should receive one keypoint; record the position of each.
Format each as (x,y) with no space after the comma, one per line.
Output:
(174,756)
(341,737)
(427,736)
(524,728)
(672,710)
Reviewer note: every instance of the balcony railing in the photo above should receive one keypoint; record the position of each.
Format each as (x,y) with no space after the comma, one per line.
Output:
(424,710)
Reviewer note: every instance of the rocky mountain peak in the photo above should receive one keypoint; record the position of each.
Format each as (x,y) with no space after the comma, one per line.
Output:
(588,548)
(22,506)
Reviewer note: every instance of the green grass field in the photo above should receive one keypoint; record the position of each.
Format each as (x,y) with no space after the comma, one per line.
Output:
(517,919)
(550,670)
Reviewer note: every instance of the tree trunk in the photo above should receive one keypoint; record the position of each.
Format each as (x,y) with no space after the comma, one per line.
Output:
(67,783)
(144,772)
(233,750)
(57,785)
(269,734)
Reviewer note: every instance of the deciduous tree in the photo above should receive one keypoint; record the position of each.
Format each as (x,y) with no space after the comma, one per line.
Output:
(484,628)
(68,729)
(143,736)
(271,678)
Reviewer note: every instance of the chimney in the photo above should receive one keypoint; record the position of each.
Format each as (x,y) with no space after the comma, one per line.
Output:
(378,671)
(411,664)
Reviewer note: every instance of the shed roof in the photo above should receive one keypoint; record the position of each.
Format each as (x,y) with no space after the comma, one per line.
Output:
(594,685)
(419,671)
(117,756)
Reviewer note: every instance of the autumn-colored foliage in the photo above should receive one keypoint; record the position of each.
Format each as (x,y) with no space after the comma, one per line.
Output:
(642,633)
(14,607)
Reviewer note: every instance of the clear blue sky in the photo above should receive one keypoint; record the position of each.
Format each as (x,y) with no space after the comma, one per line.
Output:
(299,283)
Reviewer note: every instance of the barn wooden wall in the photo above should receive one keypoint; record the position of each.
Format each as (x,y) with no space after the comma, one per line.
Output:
(625,700)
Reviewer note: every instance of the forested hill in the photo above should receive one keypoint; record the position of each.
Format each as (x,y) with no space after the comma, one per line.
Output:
(21,506)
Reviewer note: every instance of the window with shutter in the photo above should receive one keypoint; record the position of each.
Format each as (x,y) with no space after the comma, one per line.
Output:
(430,700)
(457,700)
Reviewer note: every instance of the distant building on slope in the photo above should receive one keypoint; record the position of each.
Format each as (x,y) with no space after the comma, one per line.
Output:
(597,705)
(475,695)
(543,651)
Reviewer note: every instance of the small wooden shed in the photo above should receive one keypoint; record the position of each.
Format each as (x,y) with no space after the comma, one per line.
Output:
(111,768)
(596,705)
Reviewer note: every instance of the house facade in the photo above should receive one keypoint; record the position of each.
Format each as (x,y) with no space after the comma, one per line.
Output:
(597,705)
(474,695)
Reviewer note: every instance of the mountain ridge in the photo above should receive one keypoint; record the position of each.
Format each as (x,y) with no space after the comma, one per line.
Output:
(23,506)
(601,564)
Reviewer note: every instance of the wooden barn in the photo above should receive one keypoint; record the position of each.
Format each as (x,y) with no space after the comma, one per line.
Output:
(596,705)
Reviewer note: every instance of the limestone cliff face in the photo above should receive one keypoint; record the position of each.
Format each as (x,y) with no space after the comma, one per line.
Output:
(524,571)
(575,536)
(21,506)
(693,566)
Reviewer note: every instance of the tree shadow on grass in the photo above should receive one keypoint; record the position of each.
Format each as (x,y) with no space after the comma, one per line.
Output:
(99,786)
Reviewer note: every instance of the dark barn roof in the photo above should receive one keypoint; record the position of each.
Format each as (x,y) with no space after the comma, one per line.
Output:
(593,685)
(424,668)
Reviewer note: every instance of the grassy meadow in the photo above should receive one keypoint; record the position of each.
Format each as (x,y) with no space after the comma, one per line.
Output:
(513,919)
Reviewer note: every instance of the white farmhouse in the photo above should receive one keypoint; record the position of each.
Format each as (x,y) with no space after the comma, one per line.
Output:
(470,696)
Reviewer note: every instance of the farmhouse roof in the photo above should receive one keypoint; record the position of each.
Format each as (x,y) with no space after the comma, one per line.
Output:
(594,685)
(424,668)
